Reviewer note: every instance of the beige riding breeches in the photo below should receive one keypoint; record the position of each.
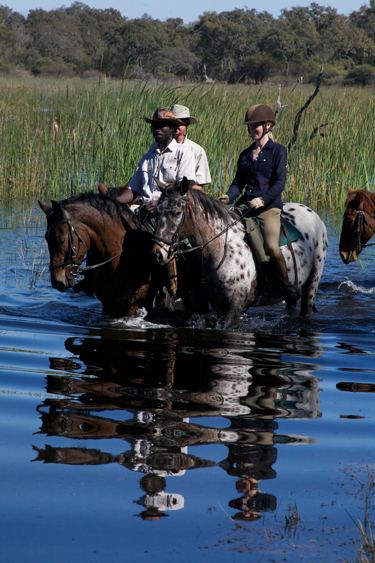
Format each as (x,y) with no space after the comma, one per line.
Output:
(270,225)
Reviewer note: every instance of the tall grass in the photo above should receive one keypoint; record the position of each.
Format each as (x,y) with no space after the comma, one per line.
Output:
(59,137)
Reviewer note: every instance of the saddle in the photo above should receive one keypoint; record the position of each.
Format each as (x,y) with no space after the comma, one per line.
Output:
(254,237)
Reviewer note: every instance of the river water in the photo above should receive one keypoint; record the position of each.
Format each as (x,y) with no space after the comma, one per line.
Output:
(138,441)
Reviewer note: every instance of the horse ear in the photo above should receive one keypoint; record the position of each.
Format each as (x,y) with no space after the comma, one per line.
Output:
(160,184)
(185,185)
(59,211)
(351,191)
(44,208)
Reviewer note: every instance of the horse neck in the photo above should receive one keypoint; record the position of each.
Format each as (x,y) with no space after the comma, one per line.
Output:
(101,232)
(206,226)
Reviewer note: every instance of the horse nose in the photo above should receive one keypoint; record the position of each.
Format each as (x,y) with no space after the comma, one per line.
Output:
(348,257)
(58,285)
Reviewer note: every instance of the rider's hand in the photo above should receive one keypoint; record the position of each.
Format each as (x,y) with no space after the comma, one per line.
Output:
(255,203)
(224,199)
(150,205)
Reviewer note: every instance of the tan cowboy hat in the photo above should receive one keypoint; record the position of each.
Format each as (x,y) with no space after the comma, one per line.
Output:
(164,115)
(182,112)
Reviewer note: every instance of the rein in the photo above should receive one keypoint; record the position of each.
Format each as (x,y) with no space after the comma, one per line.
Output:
(174,243)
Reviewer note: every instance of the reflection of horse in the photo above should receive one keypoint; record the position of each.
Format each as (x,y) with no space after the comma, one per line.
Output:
(358,224)
(228,265)
(113,238)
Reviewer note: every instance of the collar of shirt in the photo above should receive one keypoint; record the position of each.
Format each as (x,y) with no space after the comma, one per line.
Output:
(269,145)
(170,148)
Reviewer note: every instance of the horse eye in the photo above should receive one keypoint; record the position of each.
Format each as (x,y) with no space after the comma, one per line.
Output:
(62,240)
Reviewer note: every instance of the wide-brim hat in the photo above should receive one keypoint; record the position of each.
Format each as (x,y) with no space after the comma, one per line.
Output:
(164,115)
(182,112)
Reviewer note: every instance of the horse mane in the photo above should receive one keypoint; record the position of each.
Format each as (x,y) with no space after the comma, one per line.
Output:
(209,205)
(104,204)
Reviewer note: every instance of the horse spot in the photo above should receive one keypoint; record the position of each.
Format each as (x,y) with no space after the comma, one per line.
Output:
(307,236)
(316,244)
(242,276)
(309,210)
(242,266)
(292,209)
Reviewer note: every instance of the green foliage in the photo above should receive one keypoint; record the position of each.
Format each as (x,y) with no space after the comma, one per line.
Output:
(364,75)
(235,46)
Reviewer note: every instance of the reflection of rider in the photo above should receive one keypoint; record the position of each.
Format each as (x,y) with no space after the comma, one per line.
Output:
(156,500)
(261,172)
(253,502)
(166,160)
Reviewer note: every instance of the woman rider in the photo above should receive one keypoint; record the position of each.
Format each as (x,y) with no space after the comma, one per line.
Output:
(261,172)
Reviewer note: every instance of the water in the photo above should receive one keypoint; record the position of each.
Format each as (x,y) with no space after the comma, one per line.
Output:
(129,440)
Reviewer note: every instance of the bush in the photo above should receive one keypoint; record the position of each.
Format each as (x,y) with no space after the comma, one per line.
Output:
(363,75)
(46,66)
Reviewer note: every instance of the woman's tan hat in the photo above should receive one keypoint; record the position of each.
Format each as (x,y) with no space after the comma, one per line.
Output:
(182,112)
(164,115)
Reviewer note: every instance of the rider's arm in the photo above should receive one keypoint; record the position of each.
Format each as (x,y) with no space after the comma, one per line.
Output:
(127,196)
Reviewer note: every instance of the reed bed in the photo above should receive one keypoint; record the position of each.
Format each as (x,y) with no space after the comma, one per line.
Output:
(60,137)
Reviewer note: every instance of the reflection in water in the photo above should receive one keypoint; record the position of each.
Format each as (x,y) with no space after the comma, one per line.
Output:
(163,389)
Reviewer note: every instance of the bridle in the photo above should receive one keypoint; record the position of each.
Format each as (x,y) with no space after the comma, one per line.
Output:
(361,221)
(175,241)
(72,254)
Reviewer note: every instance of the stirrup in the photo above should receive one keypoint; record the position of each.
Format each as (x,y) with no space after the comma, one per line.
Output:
(291,293)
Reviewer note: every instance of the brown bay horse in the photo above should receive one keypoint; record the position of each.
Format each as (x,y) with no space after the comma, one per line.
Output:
(358,224)
(109,234)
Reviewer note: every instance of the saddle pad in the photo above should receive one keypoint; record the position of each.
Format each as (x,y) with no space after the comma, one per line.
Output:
(293,232)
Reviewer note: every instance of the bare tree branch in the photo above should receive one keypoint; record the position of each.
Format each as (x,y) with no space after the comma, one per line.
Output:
(297,120)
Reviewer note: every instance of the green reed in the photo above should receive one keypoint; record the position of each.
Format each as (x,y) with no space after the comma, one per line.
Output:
(60,137)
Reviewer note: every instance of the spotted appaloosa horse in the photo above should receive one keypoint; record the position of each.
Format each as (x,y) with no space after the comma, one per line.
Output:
(358,224)
(227,261)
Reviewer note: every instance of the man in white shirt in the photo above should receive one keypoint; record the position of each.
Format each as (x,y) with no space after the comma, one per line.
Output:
(202,171)
(166,160)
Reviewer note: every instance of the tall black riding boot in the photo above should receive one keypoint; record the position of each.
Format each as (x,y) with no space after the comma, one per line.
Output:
(291,293)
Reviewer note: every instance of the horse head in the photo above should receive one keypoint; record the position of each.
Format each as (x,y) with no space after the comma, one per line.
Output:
(171,213)
(358,224)
(66,246)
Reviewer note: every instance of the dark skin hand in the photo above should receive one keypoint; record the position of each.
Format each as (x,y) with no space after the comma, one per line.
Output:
(163,135)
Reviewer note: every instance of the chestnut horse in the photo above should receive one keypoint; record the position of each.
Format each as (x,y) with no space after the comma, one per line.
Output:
(118,250)
(228,265)
(358,224)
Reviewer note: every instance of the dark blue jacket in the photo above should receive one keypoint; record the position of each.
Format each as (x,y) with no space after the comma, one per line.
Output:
(265,177)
